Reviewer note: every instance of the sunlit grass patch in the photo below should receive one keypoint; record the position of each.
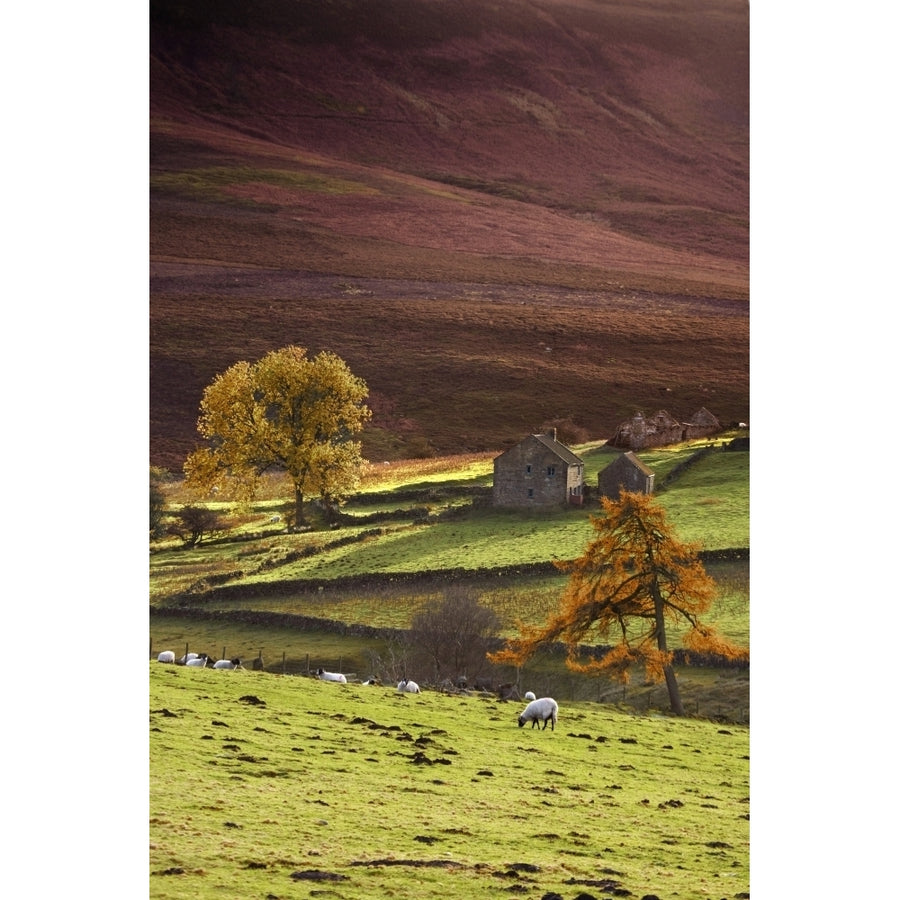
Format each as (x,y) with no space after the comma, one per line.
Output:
(259,781)
(448,469)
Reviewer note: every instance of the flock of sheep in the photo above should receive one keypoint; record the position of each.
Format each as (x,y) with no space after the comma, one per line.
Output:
(198,660)
(538,711)
(545,709)
(405,685)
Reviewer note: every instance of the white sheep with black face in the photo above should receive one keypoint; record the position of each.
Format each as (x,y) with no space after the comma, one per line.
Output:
(322,675)
(544,710)
(199,662)
(228,664)
(408,687)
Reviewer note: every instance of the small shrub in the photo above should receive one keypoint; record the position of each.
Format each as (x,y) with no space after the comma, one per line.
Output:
(453,632)
(194,523)
(157,501)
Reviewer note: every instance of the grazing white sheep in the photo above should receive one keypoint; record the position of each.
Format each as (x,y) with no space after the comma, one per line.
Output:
(322,675)
(198,662)
(530,695)
(187,658)
(410,687)
(544,710)
(166,656)
(227,664)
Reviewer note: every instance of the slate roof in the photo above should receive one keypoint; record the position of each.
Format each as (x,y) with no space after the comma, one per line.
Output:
(642,467)
(561,450)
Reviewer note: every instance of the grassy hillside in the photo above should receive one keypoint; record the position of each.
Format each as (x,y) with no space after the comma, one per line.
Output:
(444,521)
(310,599)
(504,217)
(262,785)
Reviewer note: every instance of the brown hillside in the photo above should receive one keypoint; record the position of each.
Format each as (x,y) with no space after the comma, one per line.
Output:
(499,214)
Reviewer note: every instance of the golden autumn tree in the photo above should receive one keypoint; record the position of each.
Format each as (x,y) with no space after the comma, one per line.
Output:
(634,578)
(286,412)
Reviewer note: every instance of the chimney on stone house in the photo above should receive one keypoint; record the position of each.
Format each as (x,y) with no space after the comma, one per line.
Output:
(551,433)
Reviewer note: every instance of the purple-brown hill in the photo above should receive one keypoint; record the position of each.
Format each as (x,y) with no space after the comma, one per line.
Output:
(501,215)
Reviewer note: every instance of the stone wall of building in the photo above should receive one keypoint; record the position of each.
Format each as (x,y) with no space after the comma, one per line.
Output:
(627,473)
(531,474)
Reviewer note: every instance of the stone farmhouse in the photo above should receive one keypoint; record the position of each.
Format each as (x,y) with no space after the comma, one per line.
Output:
(536,472)
(661,429)
(625,473)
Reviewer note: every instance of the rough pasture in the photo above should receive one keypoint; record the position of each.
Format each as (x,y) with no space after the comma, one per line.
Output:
(265,785)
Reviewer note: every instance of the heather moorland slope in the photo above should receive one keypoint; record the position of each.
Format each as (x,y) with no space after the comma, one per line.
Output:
(501,216)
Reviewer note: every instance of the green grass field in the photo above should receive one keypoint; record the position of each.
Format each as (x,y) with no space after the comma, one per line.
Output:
(709,502)
(270,786)
(708,505)
(529,599)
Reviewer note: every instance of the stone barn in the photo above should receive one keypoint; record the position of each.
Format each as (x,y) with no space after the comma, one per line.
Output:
(625,473)
(538,471)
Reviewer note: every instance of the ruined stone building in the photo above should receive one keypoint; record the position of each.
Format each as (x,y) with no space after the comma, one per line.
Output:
(661,429)
(701,424)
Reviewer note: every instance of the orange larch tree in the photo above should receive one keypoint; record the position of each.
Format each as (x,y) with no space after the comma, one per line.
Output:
(634,578)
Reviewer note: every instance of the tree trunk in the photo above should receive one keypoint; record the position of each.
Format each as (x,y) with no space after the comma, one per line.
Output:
(671,681)
(674,693)
(298,506)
